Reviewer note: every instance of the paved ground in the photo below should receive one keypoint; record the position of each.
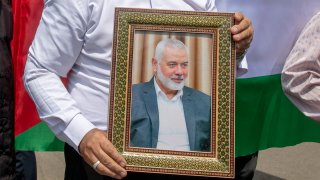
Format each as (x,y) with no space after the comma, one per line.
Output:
(301,162)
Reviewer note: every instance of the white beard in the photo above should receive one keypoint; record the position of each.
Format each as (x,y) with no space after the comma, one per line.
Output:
(168,83)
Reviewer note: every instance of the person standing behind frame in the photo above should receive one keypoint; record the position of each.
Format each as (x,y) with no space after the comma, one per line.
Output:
(165,113)
(74,40)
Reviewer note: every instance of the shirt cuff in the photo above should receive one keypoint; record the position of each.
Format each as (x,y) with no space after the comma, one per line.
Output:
(76,130)
(242,66)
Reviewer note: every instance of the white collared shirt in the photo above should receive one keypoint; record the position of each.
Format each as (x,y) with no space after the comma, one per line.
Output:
(74,39)
(173,134)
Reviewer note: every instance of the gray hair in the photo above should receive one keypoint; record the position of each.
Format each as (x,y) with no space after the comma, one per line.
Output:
(168,42)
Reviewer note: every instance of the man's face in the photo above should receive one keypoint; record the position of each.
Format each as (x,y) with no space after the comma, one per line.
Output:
(172,69)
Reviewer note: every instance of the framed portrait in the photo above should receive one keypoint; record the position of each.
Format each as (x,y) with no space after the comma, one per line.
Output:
(172,94)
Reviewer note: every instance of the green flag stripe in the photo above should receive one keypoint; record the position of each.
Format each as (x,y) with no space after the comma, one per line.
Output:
(38,138)
(264,118)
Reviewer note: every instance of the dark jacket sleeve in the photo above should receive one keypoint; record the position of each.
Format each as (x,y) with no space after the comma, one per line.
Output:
(5,19)
(7,153)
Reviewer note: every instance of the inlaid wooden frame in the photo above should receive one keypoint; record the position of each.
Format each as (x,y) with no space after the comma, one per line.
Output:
(219,161)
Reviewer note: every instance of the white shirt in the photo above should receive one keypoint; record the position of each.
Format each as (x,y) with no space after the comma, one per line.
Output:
(173,133)
(74,39)
(301,72)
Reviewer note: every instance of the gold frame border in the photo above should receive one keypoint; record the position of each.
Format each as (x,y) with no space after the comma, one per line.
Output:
(220,163)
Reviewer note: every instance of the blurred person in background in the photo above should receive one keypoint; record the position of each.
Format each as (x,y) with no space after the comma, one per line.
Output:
(301,73)
(7,153)
(20,164)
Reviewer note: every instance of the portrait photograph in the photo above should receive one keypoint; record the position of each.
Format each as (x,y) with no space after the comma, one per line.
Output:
(172,89)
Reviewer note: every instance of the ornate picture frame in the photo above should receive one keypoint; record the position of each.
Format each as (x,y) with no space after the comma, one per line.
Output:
(211,27)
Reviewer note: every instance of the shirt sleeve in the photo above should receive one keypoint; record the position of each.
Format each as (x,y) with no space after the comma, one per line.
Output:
(57,44)
(242,66)
(59,37)
(301,72)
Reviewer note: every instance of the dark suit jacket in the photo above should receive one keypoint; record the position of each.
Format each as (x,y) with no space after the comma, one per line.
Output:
(145,117)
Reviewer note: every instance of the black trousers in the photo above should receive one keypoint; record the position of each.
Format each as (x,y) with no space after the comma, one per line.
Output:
(77,168)
(26,165)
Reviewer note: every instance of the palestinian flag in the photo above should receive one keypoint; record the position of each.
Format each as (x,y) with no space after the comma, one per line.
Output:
(264,116)
(30,132)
